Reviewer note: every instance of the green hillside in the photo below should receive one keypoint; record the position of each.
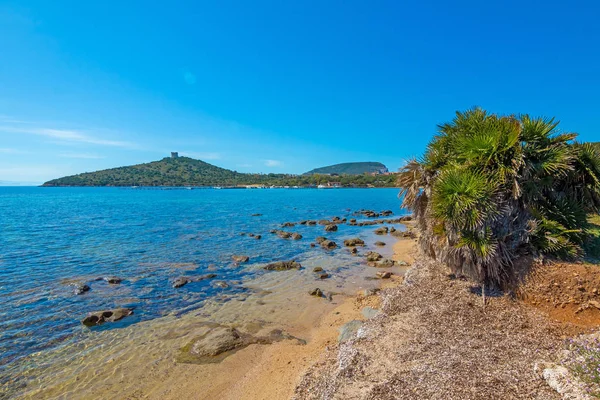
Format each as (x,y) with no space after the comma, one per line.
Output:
(354,168)
(184,171)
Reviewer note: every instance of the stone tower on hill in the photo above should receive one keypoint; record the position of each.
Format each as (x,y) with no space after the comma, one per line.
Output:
(174,154)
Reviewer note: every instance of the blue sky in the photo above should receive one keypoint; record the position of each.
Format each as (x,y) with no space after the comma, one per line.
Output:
(276,86)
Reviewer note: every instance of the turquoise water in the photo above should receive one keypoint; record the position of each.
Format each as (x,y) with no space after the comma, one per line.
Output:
(53,238)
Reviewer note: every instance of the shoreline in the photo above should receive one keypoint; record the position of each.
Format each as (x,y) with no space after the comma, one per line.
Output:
(145,366)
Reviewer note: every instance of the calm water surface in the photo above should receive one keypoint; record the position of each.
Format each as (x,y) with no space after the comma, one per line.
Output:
(54,238)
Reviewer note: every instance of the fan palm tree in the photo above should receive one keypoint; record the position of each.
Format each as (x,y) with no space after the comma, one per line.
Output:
(491,188)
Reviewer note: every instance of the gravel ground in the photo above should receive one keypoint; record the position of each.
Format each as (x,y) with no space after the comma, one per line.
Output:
(435,340)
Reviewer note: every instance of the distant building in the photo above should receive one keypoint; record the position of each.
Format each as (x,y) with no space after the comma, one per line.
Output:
(174,154)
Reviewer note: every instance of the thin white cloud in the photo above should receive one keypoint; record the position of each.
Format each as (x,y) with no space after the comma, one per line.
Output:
(201,156)
(66,135)
(273,163)
(81,155)
(6,150)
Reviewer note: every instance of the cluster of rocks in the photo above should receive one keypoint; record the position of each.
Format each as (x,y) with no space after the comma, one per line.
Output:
(326,243)
(287,235)
(282,266)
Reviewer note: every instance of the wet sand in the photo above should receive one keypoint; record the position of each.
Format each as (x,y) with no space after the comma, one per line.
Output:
(139,361)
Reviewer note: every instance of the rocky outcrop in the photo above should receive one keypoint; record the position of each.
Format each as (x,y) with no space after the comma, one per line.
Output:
(81,288)
(382,230)
(113,280)
(373,256)
(240,259)
(328,244)
(282,266)
(354,242)
(100,317)
(287,224)
(296,236)
(331,228)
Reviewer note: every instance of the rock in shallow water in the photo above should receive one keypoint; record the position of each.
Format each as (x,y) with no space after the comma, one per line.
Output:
(240,259)
(282,266)
(81,289)
(113,280)
(328,244)
(331,228)
(221,341)
(100,317)
(373,256)
(354,242)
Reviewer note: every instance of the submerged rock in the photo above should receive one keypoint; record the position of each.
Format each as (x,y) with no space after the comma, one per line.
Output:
(320,239)
(322,275)
(311,222)
(179,282)
(380,244)
(113,280)
(354,242)
(331,228)
(282,266)
(257,237)
(296,236)
(81,289)
(184,280)
(328,244)
(240,259)
(373,256)
(221,284)
(324,222)
(100,317)
(288,224)
(317,269)
(221,341)
(217,341)
(317,293)
(354,251)
(382,230)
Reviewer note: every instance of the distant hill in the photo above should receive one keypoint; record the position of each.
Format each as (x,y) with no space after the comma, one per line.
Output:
(184,171)
(353,168)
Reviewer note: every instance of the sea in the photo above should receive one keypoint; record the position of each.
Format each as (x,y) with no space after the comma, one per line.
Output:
(53,240)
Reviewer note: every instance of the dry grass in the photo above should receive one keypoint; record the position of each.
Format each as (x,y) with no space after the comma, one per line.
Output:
(436,341)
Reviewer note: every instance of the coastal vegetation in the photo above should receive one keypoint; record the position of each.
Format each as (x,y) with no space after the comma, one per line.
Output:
(491,188)
(353,168)
(185,171)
